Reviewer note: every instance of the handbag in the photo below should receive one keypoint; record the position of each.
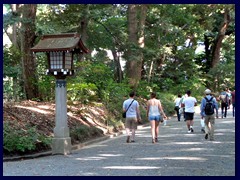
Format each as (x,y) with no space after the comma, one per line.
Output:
(124,113)
(176,108)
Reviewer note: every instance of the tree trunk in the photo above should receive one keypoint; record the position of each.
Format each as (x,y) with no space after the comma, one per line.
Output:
(141,39)
(15,42)
(135,57)
(83,28)
(150,72)
(27,41)
(132,59)
(117,65)
(220,37)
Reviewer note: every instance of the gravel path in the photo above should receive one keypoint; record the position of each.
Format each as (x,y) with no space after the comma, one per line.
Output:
(176,154)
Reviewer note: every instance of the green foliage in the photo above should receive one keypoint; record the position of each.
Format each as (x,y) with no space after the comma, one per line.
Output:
(167,100)
(83,92)
(144,89)
(11,62)
(96,73)
(83,132)
(222,75)
(12,84)
(118,92)
(20,140)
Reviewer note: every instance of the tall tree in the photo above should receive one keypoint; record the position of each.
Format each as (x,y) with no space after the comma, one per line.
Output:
(27,41)
(221,34)
(136,25)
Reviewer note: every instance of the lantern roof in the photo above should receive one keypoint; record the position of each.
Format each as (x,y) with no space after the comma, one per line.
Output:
(60,42)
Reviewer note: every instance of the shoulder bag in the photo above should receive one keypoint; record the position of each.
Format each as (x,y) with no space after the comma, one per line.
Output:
(124,113)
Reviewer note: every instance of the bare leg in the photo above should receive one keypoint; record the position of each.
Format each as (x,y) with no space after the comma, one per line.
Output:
(127,131)
(191,123)
(188,122)
(156,128)
(133,134)
(152,128)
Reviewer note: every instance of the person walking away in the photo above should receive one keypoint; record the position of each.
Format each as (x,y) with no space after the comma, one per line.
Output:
(217,104)
(224,102)
(233,101)
(203,118)
(229,97)
(131,107)
(177,107)
(208,105)
(189,103)
(182,110)
(154,110)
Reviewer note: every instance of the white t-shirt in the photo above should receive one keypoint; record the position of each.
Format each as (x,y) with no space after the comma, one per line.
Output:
(132,111)
(177,101)
(189,103)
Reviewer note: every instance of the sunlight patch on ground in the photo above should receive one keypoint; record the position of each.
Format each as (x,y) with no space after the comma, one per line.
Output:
(111,155)
(227,122)
(197,149)
(186,143)
(34,109)
(176,128)
(224,130)
(45,107)
(175,158)
(131,167)
(90,158)
(95,145)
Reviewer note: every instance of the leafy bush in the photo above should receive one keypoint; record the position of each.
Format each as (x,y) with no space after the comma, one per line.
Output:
(20,140)
(83,132)
(83,92)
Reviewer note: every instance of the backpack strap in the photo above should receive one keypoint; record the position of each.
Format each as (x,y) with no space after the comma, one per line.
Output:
(209,99)
(129,105)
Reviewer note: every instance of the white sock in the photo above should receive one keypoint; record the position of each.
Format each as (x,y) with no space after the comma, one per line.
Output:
(202,123)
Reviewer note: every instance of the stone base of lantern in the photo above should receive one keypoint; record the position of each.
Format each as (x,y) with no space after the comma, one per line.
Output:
(61,146)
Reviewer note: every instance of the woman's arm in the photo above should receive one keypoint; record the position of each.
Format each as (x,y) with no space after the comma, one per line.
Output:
(161,109)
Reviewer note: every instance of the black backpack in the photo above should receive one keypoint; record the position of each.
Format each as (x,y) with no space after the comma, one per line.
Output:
(209,108)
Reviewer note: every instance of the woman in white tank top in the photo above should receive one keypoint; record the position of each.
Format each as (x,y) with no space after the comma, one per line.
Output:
(154,108)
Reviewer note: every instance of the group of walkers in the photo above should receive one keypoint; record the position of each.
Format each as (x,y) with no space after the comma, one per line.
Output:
(183,105)
(209,109)
(155,115)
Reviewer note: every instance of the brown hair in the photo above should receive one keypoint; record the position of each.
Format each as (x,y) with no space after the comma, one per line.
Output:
(153,95)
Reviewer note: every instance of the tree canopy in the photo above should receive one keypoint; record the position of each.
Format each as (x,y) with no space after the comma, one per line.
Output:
(131,45)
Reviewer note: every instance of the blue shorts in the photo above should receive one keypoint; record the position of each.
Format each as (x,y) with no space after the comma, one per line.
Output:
(154,118)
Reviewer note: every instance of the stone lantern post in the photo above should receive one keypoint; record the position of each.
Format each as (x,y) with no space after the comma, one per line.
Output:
(60,49)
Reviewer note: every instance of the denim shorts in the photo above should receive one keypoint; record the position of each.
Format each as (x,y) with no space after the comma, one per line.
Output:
(155,118)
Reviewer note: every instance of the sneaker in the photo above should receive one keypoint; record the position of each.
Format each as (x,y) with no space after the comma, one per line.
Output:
(191,129)
(202,130)
(206,136)
(128,139)
(156,139)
